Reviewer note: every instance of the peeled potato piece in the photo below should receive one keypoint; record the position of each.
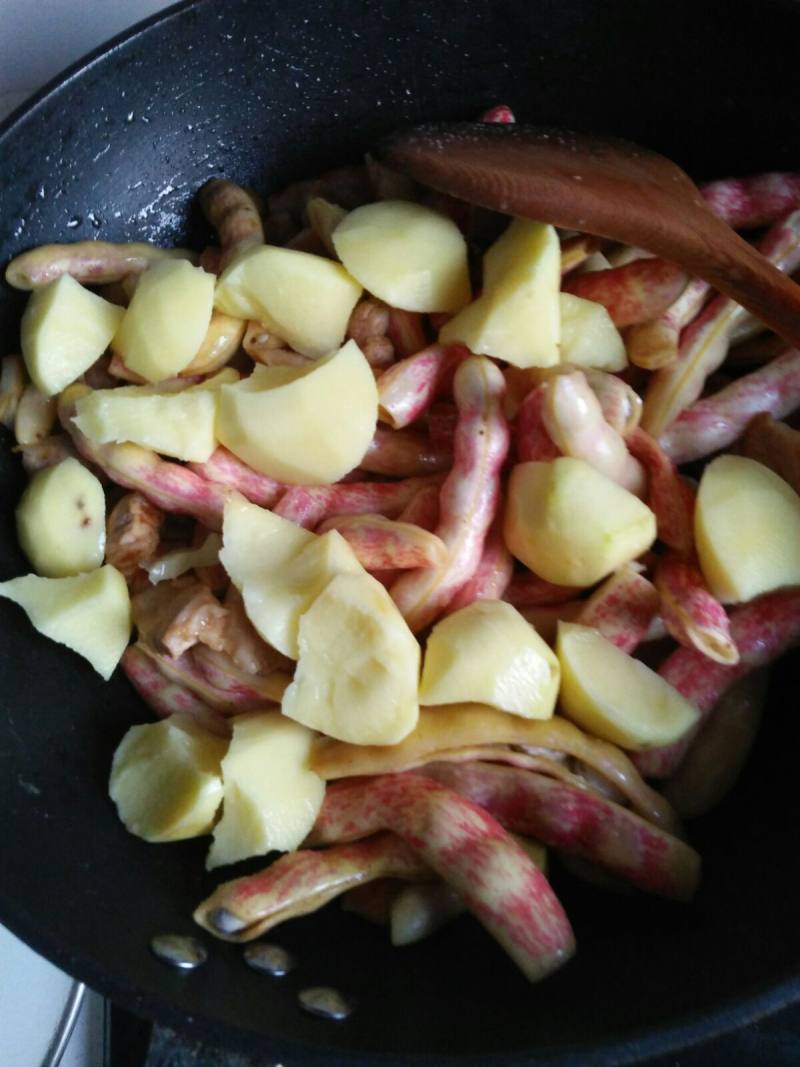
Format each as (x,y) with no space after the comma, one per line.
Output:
(616,697)
(271,795)
(280,580)
(303,298)
(279,569)
(166,320)
(166,780)
(571,524)
(589,338)
(406,254)
(174,424)
(64,330)
(61,520)
(308,425)
(517,316)
(89,613)
(747,529)
(358,672)
(488,653)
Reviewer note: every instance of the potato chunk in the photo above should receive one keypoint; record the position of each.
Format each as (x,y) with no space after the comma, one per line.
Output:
(570,524)
(61,520)
(406,254)
(487,652)
(279,569)
(89,613)
(747,529)
(166,780)
(271,795)
(305,299)
(588,336)
(358,672)
(307,425)
(517,316)
(616,697)
(173,424)
(65,329)
(166,320)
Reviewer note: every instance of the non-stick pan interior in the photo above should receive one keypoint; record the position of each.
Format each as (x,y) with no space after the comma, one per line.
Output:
(264,93)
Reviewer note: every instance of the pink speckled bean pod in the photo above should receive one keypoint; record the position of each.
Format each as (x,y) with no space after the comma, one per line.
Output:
(573,418)
(578,821)
(403,454)
(407,389)
(469,496)
(704,345)
(501,113)
(233,213)
(527,589)
(423,508)
(308,505)
(745,203)
(493,573)
(89,262)
(712,424)
(653,345)
(384,544)
(224,469)
(169,486)
(533,442)
(406,332)
(668,494)
(164,697)
(466,847)
(693,616)
(184,670)
(762,630)
(720,750)
(301,882)
(636,292)
(622,608)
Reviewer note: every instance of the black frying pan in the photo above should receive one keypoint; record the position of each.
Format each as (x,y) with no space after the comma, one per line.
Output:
(264,93)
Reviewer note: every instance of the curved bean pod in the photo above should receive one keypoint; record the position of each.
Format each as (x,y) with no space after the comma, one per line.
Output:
(693,616)
(762,630)
(381,544)
(533,442)
(705,343)
(468,726)
(717,421)
(308,505)
(233,213)
(165,697)
(493,573)
(467,848)
(301,882)
(577,821)
(669,495)
(622,608)
(223,468)
(745,203)
(635,292)
(469,494)
(403,454)
(409,387)
(89,262)
(573,418)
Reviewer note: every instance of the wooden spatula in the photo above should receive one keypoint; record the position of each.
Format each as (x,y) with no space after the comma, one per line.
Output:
(602,186)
